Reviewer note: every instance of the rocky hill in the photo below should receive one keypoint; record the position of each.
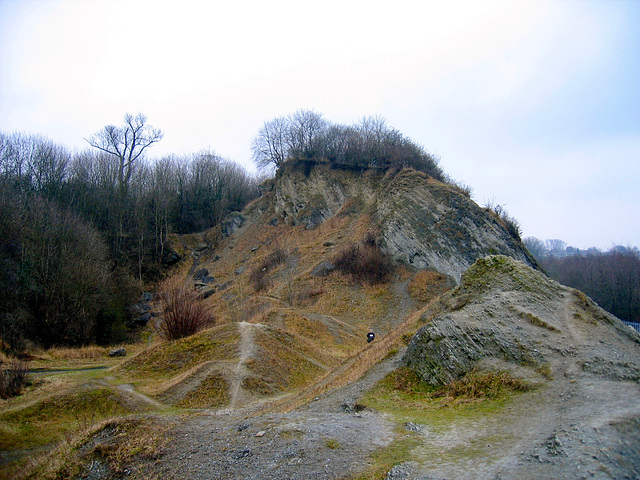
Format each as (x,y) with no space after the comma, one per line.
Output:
(582,418)
(420,221)
(284,385)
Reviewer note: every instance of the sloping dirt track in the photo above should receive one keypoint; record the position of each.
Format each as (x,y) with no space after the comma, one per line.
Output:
(582,422)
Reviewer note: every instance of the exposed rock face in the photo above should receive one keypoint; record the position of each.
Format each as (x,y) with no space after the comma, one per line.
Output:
(508,315)
(420,221)
(582,420)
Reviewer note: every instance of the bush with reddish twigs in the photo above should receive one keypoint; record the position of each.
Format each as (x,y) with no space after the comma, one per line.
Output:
(13,378)
(364,262)
(185,313)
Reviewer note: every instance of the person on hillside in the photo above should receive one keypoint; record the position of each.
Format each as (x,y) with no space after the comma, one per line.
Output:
(370,336)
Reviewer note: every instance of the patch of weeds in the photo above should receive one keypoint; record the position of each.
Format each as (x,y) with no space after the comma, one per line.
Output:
(545,371)
(383,460)
(121,447)
(46,421)
(291,433)
(533,319)
(474,385)
(332,444)
(13,378)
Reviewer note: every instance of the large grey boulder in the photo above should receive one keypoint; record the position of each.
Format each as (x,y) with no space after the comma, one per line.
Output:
(508,316)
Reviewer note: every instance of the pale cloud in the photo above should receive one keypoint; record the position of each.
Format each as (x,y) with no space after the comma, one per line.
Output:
(504,91)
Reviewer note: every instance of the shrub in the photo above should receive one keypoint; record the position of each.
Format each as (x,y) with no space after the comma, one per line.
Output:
(364,262)
(185,313)
(509,223)
(479,385)
(258,276)
(13,377)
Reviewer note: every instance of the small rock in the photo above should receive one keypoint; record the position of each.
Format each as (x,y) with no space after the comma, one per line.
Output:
(413,427)
(118,352)
(323,269)
(200,274)
(260,433)
(241,454)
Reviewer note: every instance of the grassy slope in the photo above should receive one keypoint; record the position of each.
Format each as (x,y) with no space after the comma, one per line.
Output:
(310,326)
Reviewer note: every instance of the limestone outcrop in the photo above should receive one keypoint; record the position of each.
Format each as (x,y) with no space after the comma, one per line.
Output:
(418,220)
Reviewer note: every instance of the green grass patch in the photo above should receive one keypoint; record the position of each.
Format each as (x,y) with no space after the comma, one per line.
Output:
(332,443)
(406,398)
(45,422)
(383,460)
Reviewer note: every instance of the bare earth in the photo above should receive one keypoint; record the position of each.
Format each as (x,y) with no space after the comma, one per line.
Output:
(584,422)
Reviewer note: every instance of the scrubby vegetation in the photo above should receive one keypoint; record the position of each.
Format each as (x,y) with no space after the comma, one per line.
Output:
(184,312)
(305,137)
(364,262)
(259,275)
(13,378)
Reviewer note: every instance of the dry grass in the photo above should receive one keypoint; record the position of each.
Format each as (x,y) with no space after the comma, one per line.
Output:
(533,319)
(354,367)
(92,352)
(123,447)
(480,385)
(428,284)
(211,393)
(154,368)
(45,421)
(282,363)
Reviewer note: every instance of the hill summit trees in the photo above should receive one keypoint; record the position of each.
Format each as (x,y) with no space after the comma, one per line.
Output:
(370,143)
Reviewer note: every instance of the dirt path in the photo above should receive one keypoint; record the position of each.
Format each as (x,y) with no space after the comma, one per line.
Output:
(328,438)
(240,371)
(579,425)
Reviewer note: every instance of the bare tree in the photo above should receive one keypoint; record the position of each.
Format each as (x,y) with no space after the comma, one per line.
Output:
(126,143)
(270,147)
(305,126)
(536,247)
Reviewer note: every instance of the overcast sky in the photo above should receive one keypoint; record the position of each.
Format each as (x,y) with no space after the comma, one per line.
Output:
(534,104)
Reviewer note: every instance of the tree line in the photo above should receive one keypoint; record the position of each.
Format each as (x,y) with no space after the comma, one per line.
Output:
(84,231)
(611,278)
(81,232)
(306,136)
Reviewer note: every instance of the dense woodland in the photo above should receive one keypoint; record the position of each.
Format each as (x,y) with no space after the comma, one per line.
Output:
(610,278)
(84,232)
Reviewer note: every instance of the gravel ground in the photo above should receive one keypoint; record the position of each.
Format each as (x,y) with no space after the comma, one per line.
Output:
(297,445)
